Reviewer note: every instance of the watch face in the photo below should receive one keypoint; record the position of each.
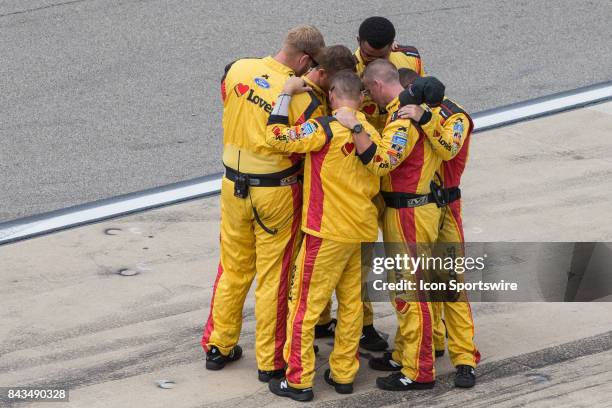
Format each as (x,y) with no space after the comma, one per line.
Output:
(357,128)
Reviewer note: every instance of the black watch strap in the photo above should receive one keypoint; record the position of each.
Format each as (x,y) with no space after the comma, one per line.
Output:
(358,128)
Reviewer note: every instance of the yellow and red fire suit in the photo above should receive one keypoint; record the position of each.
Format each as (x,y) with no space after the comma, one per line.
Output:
(449,131)
(337,216)
(405,57)
(249,89)
(407,163)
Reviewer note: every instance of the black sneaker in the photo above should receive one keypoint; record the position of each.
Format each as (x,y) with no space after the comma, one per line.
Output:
(371,340)
(325,330)
(266,376)
(340,388)
(465,377)
(280,387)
(216,361)
(439,353)
(399,382)
(385,363)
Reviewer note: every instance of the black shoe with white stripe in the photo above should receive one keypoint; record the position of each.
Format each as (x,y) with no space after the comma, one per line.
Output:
(385,363)
(280,387)
(399,382)
(465,377)
(216,361)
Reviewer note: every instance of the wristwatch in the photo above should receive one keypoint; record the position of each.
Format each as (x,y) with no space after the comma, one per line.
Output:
(358,128)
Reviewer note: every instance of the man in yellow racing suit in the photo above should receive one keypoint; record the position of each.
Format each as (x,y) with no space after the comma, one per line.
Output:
(261,201)
(449,127)
(407,162)
(338,215)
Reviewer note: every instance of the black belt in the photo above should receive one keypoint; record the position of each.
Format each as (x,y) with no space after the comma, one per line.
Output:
(286,177)
(406,200)
(452,194)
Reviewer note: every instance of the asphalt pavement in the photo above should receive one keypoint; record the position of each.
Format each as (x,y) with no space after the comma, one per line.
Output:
(104,97)
(110,309)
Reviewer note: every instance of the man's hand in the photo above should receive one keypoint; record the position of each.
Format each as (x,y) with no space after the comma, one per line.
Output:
(346,118)
(414,112)
(295,85)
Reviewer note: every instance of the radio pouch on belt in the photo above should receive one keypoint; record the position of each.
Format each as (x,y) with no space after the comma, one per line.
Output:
(241,185)
(439,195)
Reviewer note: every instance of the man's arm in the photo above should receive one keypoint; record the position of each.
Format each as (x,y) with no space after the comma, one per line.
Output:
(304,107)
(224,81)
(307,137)
(348,120)
(446,140)
(382,154)
(302,138)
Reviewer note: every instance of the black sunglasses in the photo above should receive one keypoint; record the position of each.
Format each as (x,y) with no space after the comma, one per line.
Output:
(315,63)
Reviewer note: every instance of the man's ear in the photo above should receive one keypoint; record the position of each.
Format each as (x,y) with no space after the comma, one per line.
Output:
(323,76)
(303,59)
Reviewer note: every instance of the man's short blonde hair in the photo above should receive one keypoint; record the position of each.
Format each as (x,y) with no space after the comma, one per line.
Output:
(305,38)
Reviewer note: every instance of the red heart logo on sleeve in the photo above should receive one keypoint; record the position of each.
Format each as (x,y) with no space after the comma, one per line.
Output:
(241,89)
(369,109)
(348,148)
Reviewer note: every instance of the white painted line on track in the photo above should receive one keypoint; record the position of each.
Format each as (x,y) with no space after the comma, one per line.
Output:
(36,225)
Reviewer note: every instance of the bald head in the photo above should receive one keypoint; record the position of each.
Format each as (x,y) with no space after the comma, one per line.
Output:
(381,70)
(382,82)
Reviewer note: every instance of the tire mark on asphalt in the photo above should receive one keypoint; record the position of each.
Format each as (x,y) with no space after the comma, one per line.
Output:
(181,349)
(493,371)
(410,13)
(115,321)
(66,3)
(486,373)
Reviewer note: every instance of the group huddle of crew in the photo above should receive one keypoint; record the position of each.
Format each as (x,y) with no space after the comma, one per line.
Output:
(322,147)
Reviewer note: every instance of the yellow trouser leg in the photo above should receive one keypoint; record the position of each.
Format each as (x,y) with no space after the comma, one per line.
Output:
(414,337)
(248,251)
(368,314)
(326,316)
(319,267)
(457,315)
(278,208)
(344,359)
(461,334)
(235,274)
